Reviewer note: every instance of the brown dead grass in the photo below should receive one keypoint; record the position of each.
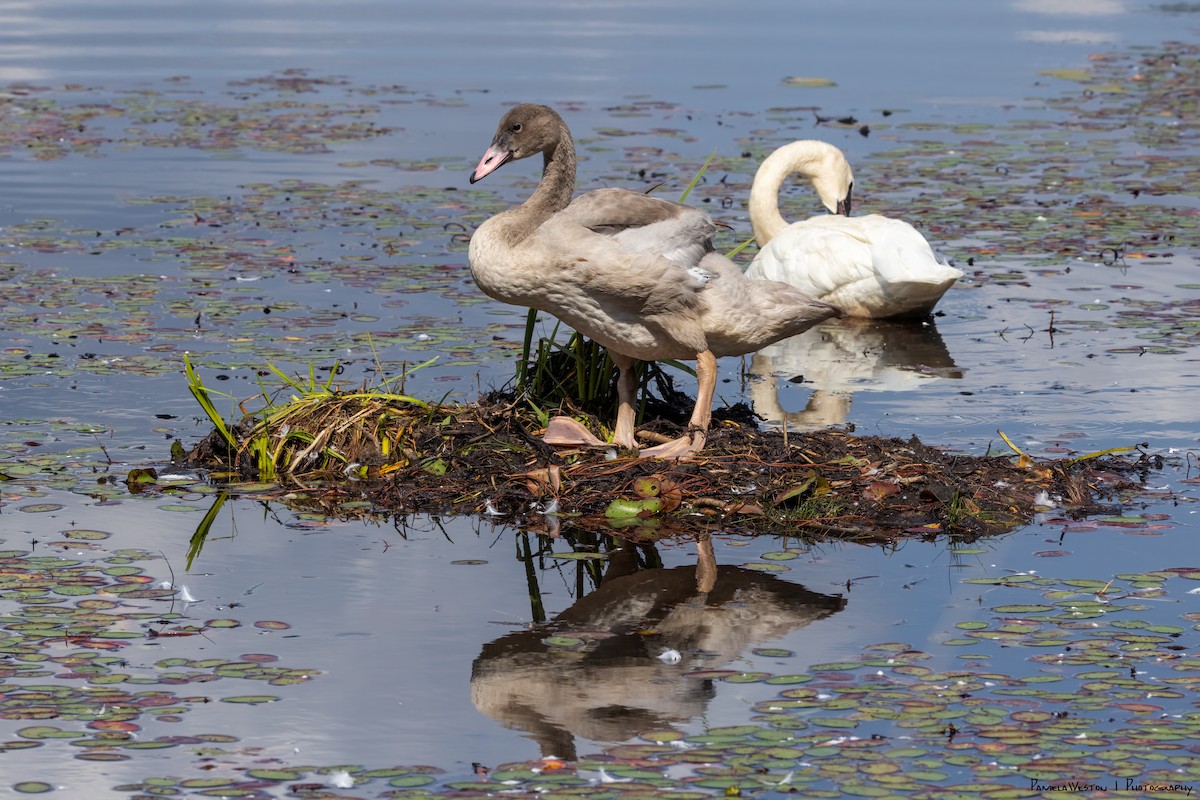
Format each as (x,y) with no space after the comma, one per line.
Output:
(487,458)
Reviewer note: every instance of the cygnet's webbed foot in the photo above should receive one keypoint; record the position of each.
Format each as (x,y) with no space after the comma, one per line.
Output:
(678,449)
(567,432)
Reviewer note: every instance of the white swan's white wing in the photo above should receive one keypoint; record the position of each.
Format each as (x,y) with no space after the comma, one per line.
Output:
(901,254)
(871,266)
(815,257)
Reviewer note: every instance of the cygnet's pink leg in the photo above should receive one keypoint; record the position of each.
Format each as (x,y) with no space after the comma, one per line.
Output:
(626,401)
(697,433)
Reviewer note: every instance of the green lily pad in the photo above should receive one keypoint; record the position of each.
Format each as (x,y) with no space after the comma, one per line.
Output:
(251,699)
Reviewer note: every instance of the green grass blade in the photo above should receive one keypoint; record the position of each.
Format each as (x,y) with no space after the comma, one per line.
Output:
(683,197)
(740,248)
(295,383)
(679,365)
(201,393)
(523,364)
(196,543)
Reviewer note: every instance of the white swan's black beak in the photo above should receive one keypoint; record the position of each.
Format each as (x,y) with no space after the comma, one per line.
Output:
(492,160)
(843,205)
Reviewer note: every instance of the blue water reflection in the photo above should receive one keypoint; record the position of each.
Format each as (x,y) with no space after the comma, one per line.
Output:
(393,616)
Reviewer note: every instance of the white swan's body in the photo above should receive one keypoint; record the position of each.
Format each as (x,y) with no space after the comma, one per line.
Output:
(871,266)
(634,273)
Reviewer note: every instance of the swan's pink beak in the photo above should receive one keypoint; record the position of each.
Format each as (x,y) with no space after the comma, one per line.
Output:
(492,160)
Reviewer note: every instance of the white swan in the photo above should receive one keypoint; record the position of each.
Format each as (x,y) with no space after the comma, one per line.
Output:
(870,266)
(634,273)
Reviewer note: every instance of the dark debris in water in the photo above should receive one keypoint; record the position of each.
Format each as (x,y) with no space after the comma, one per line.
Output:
(487,458)
(286,112)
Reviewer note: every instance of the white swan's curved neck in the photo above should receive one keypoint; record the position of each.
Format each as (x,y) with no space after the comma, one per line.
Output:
(765,218)
(821,163)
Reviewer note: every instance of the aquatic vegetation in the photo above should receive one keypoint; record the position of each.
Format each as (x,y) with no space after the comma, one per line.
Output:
(406,455)
(72,613)
(264,113)
(1087,709)
(320,430)
(1050,679)
(233,274)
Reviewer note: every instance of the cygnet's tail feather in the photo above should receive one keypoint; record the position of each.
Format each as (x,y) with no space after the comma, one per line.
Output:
(747,315)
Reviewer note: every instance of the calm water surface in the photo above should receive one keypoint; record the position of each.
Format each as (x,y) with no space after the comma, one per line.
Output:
(395,616)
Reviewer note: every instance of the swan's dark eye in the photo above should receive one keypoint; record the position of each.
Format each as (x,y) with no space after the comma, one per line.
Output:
(516,128)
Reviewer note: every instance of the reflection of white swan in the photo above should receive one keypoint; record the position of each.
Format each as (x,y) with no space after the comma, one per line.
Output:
(841,359)
(616,686)
(870,266)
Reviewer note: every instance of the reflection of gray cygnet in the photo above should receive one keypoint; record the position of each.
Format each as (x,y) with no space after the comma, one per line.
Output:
(845,357)
(616,686)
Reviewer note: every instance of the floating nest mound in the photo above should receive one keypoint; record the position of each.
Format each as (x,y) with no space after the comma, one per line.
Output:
(404,456)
